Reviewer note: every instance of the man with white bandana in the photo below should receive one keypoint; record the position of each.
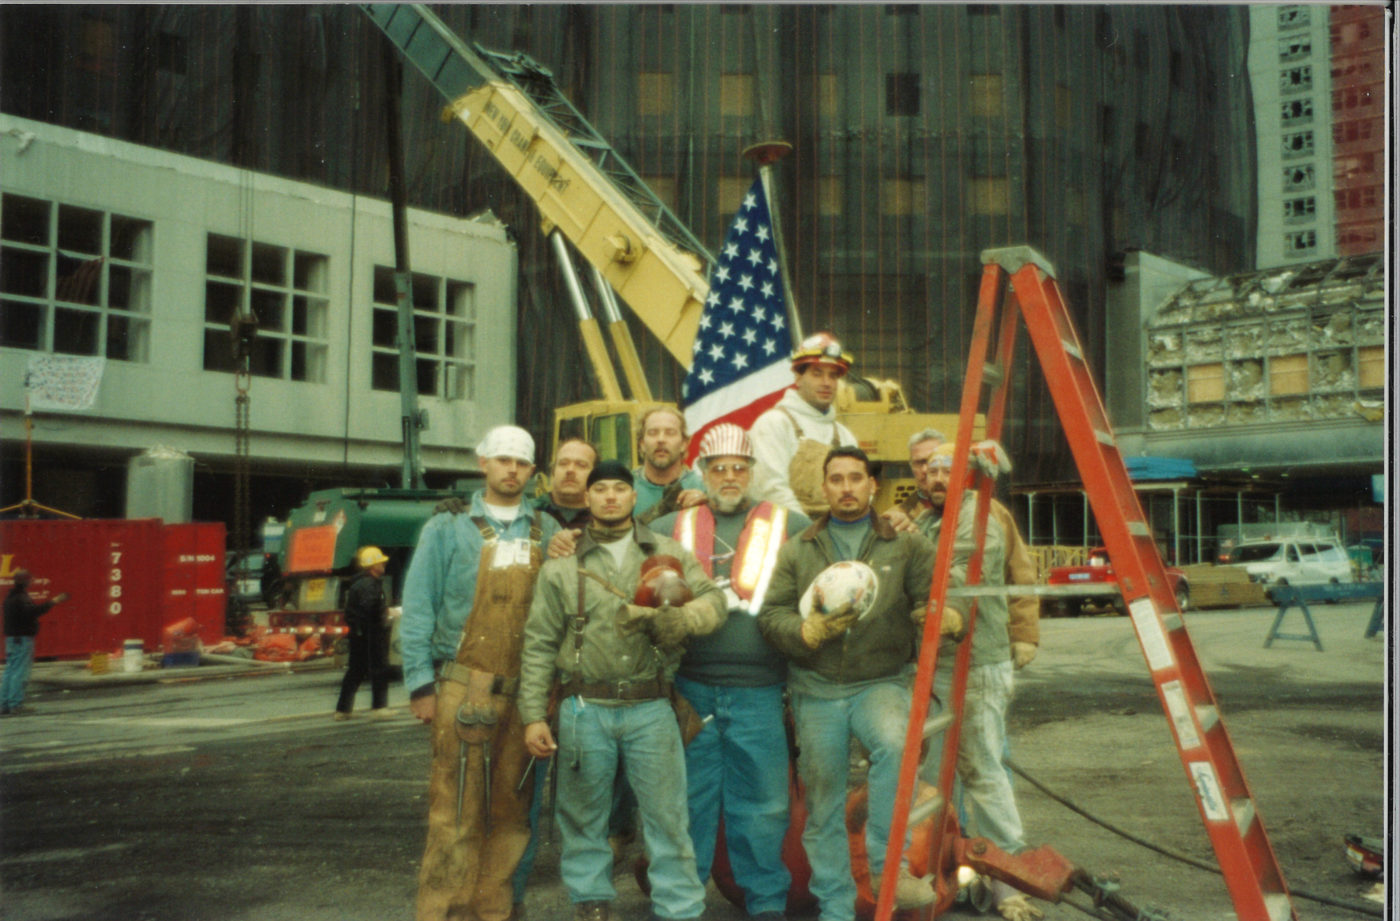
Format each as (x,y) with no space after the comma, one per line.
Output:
(466,595)
(737,767)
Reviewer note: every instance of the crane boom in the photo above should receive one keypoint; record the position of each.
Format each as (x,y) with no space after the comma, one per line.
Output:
(579,183)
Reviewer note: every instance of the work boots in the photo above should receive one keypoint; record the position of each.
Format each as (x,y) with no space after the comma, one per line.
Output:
(591,911)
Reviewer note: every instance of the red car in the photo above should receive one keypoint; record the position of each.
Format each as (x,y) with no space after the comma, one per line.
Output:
(1100,587)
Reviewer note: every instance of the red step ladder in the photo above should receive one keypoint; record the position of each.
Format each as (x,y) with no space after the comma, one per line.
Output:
(1227,807)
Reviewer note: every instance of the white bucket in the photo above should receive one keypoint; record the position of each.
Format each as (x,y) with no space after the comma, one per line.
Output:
(133,656)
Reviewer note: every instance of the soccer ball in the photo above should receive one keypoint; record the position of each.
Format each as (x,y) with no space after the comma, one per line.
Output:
(848,580)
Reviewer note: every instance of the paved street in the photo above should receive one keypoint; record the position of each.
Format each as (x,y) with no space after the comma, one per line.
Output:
(238,799)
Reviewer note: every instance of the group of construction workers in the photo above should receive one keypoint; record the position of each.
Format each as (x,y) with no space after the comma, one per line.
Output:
(636,636)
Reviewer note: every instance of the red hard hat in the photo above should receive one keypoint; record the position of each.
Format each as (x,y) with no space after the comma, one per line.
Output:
(663,582)
(821,349)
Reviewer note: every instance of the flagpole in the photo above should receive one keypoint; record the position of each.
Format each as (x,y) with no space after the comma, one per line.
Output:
(765,154)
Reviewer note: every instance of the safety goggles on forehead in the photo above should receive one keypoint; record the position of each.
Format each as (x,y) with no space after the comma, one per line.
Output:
(738,469)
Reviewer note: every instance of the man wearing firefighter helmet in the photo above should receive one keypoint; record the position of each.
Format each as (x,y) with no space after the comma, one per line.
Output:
(790,441)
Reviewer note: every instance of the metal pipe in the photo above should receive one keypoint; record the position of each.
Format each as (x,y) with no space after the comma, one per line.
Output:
(587,324)
(622,339)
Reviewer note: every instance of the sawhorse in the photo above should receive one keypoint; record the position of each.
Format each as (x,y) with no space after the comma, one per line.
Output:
(1289,595)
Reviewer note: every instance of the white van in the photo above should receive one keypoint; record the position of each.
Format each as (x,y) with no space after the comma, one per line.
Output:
(1293,560)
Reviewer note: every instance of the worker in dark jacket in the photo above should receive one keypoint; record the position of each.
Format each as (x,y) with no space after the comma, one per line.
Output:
(22,615)
(369,636)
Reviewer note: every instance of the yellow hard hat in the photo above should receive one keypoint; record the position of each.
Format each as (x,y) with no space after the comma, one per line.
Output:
(367,556)
(821,349)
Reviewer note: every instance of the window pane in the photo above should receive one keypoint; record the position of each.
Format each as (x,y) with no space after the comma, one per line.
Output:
(461,299)
(425,335)
(425,289)
(309,272)
(224,256)
(126,338)
(129,289)
(26,220)
(21,324)
(75,331)
(79,229)
(221,301)
(79,280)
(427,376)
(736,94)
(131,239)
(269,264)
(24,272)
(385,328)
(265,359)
(270,308)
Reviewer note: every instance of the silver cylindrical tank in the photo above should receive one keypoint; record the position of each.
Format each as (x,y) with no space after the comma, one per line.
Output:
(160,484)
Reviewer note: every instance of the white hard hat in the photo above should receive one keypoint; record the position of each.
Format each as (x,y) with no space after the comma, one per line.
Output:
(847,580)
(725,440)
(507,441)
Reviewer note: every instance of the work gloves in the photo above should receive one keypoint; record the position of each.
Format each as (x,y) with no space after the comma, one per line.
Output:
(952,625)
(453,505)
(666,625)
(1022,653)
(990,458)
(821,626)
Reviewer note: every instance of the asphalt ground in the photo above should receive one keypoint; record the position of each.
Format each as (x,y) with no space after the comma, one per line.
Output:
(196,795)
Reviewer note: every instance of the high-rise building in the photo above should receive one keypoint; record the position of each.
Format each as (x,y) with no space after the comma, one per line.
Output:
(1358,127)
(1318,75)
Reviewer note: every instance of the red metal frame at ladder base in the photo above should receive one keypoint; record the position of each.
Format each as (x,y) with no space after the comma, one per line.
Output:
(1227,807)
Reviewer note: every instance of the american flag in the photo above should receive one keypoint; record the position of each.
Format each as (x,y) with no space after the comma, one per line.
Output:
(743,347)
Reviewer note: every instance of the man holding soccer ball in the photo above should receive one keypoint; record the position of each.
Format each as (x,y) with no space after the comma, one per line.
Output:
(846,606)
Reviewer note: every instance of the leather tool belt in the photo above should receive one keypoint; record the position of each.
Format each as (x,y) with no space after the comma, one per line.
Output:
(645,689)
(500,684)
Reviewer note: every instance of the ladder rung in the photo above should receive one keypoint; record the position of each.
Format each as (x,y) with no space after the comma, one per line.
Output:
(1138,529)
(992,375)
(1171,621)
(1072,350)
(1105,438)
(936,724)
(1244,814)
(1279,906)
(922,811)
(1208,715)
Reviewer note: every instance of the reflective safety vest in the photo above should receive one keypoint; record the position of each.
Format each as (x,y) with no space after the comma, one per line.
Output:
(765,530)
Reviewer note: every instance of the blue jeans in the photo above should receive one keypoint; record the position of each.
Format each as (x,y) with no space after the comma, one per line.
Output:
(19,656)
(877,715)
(521,876)
(592,738)
(987,796)
(737,767)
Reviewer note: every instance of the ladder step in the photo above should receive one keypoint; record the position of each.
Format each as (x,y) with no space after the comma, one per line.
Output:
(925,810)
(1105,438)
(1072,350)
(1244,814)
(1171,621)
(992,375)
(1138,529)
(1279,906)
(1208,715)
(936,724)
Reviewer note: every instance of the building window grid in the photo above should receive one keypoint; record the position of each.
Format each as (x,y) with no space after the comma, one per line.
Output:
(284,289)
(1296,111)
(444,332)
(1297,144)
(1293,17)
(1295,79)
(1300,242)
(1299,178)
(1300,209)
(74,280)
(1295,47)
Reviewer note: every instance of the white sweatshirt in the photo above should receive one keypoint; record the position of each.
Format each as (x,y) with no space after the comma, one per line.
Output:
(775,443)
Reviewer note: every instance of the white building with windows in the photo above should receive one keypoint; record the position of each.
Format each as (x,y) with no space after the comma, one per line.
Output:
(139,260)
(1290,75)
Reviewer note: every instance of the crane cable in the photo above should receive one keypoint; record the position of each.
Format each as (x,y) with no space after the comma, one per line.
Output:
(1176,855)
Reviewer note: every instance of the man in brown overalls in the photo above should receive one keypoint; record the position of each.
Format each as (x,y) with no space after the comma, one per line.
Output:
(466,596)
(790,441)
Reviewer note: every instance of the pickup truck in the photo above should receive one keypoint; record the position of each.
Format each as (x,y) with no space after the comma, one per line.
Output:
(1100,587)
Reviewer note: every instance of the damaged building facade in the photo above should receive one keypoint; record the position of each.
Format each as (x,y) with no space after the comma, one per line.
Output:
(1270,384)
